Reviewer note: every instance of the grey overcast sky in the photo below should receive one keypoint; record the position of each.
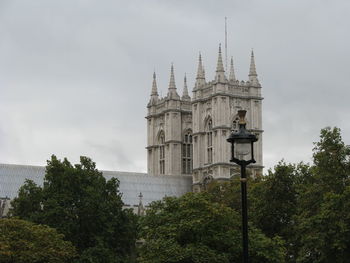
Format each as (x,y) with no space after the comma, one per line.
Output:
(75,75)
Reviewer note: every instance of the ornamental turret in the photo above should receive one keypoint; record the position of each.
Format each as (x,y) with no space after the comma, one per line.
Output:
(220,71)
(185,95)
(232,76)
(253,76)
(172,93)
(200,79)
(154,92)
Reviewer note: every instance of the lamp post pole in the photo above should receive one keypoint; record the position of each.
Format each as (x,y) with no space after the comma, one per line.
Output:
(244,213)
(242,140)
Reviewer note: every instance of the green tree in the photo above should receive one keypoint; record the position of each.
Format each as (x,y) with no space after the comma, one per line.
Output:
(273,201)
(25,242)
(322,219)
(325,237)
(28,206)
(195,229)
(82,205)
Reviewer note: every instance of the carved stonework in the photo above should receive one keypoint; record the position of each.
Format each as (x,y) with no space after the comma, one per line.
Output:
(217,102)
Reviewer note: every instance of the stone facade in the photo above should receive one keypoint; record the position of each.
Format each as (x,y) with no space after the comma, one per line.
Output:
(188,136)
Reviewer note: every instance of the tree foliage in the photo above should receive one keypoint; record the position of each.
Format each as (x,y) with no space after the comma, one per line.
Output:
(193,228)
(298,213)
(305,205)
(25,242)
(322,218)
(79,202)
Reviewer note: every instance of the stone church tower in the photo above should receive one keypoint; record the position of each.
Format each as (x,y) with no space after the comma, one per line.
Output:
(188,136)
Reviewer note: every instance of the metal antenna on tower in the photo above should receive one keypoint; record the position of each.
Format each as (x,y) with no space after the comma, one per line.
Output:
(226,42)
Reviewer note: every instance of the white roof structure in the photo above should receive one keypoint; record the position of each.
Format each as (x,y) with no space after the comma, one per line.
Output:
(153,188)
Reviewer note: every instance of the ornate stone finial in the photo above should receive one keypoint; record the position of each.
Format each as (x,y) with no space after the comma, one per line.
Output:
(220,71)
(200,79)
(172,87)
(172,78)
(252,70)
(154,92)
(253,76)
(185,95)
(220,65)
(232,76)
(140,197)
(140,208)
(154,85)
(200,70)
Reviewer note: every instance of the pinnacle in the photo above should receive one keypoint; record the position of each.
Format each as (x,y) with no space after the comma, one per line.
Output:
(232,76)
(154,85)
(252,70)
(185,95)
(172,78)
(200,71)
(172,87)
(220,65)
(253,76)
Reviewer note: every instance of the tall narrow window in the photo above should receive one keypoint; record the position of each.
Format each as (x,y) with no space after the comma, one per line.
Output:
(161,154)
(210,141)
(187,153)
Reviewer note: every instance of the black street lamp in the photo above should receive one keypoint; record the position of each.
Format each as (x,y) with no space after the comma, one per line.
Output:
(242,153)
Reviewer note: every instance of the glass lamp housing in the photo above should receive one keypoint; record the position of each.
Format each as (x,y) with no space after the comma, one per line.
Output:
(242,150)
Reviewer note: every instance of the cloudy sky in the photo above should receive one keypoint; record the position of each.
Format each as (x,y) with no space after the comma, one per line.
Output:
(75,75)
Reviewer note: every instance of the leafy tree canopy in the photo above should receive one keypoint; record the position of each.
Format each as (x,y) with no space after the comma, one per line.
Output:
(25,242)
(79,202)
(306,205)
(192,228)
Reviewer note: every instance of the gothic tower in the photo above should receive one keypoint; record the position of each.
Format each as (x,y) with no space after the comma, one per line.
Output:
(189,136)
(169,130)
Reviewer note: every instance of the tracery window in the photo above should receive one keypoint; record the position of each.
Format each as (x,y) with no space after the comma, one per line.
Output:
(209,141)
(161,154)
(187,153)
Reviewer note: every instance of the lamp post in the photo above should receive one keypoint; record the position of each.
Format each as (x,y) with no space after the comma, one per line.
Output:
(242,153)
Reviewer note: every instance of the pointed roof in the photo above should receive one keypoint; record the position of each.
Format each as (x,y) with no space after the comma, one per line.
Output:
(172,78)
(154,93)
(220,71)
(185,95)
(200,70)
(232,76)
(253,76)
(172,87)
(252,70)
(220,65)
(154,85)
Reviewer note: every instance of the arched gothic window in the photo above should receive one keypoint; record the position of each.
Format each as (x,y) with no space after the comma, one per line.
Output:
(187,153)
(161,153)
(209,141)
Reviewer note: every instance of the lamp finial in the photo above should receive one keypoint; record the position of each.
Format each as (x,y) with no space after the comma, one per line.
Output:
(241,114)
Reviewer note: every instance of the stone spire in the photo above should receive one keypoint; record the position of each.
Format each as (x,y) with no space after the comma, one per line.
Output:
(220,71)
(232,76)
(253,76)
(154,93)
(185,95)
(172,94)
(200,79)
(140,207)
(200,71)
(154,86)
